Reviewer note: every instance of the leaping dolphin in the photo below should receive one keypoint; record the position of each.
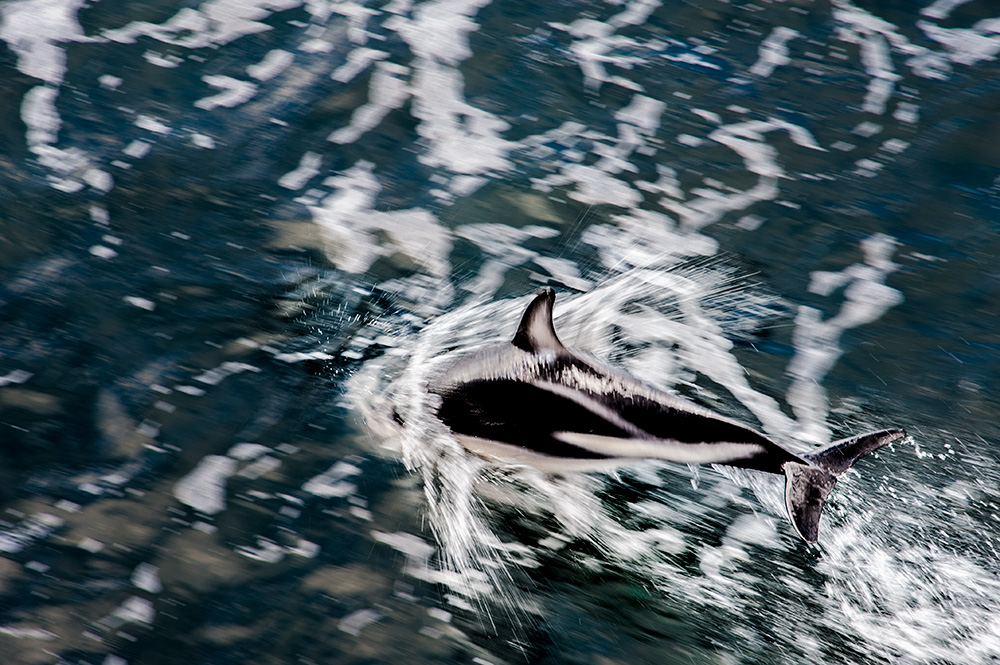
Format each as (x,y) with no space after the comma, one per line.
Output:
(534,401)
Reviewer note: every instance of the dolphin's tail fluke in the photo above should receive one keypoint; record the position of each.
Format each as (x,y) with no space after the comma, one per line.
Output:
(807,486)
(841,455)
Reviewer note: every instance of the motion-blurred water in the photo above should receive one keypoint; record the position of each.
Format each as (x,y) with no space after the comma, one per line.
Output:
(238,235)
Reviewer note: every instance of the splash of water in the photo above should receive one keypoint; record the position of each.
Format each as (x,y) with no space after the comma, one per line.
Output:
(669,320)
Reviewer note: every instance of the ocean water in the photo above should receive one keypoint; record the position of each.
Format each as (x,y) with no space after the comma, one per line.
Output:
(238,236)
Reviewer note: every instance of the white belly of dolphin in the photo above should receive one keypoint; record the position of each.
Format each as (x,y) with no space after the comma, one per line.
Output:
(716,452)
(506,453)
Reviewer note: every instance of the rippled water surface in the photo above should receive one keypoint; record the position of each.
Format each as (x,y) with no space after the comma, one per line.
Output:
(237,237)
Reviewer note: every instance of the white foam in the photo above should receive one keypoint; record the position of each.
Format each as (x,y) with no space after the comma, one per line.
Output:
(110,81)
(215,376)
(247,451)
(907,112)
(565,271)
(99,214)
(90,545)
(299,356)
(710,116)
(267,551)
(942,9)
(305,548)
(20,633)
(505,247)
(356,621)
(15,376)
(151,124)
(316,46)
(645,239)
(596,186)
(146,576)
(35,527)
(895,146)
(67,505)
(102,251)
(137,149)
(203,141)
(141,303)
(260,467)
(358,15)
(234,92)
(967,46)
(592,55)
(595,43)
(416,550)
(599,183)
(666,183)
(213,23)
(98,179)
(358,60)
(387,91)
(642,112)
(750,222)
(690,141)
(332,483)
(34,28)
(38,113)
(461,138)
(816,341)
(350,224)
(204,487)
(307,169)
(168,62)
(773,52)
(892,598)
(133,610)
(275,62)
(878,39)
(747,139)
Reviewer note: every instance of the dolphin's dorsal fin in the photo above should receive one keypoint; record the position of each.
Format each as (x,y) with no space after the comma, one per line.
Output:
(536,331)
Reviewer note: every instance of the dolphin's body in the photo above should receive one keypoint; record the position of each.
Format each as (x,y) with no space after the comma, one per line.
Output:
(534,401)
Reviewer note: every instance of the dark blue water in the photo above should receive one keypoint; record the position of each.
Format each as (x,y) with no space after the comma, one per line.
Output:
(236,237)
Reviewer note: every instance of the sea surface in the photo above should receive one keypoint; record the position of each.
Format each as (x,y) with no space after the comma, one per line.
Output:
(237,237)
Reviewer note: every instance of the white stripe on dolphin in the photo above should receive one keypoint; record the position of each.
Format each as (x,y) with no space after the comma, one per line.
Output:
(534,401)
